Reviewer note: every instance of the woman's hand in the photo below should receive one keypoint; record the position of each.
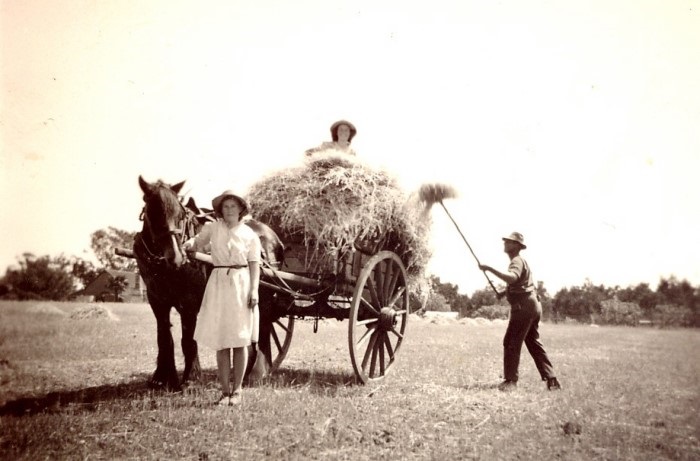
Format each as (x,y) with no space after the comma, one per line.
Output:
(187,247)
(253,299)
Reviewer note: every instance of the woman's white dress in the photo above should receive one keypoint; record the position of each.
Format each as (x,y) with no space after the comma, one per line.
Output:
(225,320)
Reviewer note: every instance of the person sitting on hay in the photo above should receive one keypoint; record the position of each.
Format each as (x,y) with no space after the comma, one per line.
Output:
(342,133)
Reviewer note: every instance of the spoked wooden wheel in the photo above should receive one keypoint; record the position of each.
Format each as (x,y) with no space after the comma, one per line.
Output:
(275,338)
(281,338)
(378,316)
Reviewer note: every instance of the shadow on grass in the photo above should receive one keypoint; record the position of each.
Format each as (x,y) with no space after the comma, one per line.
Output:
(88,398)
(487,386)
(319,382)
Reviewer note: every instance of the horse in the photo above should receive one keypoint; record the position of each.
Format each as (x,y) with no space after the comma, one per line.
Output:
(172,280)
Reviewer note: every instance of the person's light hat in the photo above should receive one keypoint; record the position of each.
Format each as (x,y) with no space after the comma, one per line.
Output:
(516,237)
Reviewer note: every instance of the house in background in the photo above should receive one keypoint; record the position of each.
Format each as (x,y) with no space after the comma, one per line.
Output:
(98,289)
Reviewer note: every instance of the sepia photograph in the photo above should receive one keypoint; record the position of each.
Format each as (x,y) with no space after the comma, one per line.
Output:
(349,230)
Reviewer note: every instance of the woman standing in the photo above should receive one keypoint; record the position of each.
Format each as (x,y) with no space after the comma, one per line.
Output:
(228,318)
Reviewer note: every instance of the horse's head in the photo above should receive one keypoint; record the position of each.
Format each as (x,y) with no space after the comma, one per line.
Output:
(164,221)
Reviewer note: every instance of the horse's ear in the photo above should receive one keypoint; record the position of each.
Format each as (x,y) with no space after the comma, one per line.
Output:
(145,186)
(177,187)
(192,206)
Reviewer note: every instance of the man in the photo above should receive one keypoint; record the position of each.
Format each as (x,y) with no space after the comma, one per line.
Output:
(525,313)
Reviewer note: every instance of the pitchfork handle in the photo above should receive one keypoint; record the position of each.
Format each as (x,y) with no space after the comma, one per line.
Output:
(468,246)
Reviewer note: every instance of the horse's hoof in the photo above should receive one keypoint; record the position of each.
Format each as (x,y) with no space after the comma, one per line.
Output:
(156,384)
(164,386)
(193,376)
(189,383)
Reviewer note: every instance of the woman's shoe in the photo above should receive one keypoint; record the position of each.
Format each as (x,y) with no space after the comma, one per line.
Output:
(224,400)
(235,399)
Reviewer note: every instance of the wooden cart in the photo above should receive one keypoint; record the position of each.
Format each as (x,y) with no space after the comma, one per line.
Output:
(366,285)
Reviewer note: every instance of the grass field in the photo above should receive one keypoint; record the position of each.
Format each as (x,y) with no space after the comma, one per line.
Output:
(75,388)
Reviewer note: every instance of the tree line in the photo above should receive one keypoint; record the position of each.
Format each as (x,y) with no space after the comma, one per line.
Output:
(59,278)
(672,303)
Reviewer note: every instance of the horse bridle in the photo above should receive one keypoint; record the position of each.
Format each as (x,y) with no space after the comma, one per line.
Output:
(184,232)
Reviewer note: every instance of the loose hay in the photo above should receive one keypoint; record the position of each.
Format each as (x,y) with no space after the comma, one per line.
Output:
(468,321)
(93,312)
(333,202)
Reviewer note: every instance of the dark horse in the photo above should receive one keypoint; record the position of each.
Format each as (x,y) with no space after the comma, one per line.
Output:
(174,281)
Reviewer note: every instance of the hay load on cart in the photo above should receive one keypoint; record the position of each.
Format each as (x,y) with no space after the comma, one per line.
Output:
(355,246)
(335,205)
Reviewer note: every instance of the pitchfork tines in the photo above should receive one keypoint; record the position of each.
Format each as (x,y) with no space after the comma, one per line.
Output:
(436,193)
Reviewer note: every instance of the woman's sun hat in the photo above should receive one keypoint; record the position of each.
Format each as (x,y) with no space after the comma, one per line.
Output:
(334,129)
(218,200)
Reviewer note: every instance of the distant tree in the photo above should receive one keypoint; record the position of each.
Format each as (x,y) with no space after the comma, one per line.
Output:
(680,293)
(40,278)
(486,297)
(447,290)
(666,315)
(496,311)
(84,271)
(118,285)
(545,300)
(581,303)
(438,302)
(616,312)
(462,304)
(103,243)
(673,291)
(641,294)
(458,302)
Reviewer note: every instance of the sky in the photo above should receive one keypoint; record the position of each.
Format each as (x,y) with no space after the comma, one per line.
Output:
(575,123)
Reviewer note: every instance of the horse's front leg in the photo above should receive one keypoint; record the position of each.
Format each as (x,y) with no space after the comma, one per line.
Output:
(165,376)
(193,370)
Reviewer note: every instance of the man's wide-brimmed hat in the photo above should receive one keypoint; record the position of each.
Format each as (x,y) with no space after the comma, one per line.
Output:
(516,237)
(218,200)
(334,129)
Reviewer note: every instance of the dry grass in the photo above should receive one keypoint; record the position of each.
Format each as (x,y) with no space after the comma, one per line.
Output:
(75,389)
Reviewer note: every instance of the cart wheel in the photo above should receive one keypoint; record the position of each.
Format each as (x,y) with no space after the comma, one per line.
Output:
(281,335)
(378,316)
(275,339)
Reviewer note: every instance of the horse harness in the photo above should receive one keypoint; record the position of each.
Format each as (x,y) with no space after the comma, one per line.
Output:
(186,230)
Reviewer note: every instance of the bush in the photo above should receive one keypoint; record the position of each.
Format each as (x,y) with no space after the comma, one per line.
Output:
(616,312)
(40,278)
(492,312)
(438,303)
(671,315)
